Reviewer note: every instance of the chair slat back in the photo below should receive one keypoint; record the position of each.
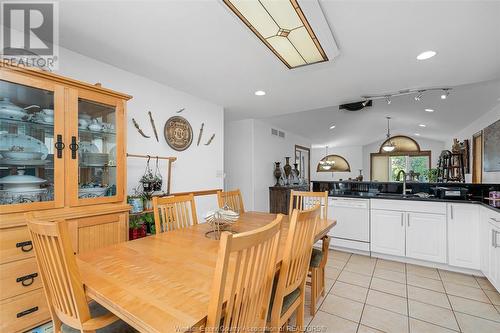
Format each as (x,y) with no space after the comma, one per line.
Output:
(59,272)
(244,272)
(174,212)
(232,199)
(307,200)
(296,255)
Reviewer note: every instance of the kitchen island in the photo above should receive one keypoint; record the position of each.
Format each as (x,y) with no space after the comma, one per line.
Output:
(456,233)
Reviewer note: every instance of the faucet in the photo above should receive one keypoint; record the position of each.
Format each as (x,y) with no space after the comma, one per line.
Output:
(398,178)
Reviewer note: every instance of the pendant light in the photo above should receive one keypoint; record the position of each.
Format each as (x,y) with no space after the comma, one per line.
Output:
(325,163)
(388,146)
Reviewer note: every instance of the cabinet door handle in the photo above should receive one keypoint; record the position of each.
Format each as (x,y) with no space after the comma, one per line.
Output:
(59,145)
(408,219)
(27,312)
(494,238)
(26,246)
(402,219)
(27,280)
(451,211)
(73,147)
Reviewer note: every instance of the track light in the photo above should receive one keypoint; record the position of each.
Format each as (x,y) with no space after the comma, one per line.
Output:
(418,97)
(445,94)
(365,102)
(388,99)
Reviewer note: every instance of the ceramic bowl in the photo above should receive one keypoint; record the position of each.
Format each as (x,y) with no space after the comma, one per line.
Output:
(21,155)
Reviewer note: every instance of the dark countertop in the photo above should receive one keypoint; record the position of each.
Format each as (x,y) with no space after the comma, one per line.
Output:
(371,195)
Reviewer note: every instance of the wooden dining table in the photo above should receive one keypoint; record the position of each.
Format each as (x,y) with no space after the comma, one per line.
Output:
(162,283)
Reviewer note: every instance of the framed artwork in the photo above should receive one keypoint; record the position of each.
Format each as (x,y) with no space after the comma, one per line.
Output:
(491,149)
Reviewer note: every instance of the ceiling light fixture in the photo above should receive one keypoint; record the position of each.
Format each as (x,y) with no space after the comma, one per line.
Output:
(426,55)
(283,28)
(332,127)
(429,110)
(389,146)
(446,93)
(422,125)
(419,95)
(260,93)
(388,99)
(325,163)
(417,134)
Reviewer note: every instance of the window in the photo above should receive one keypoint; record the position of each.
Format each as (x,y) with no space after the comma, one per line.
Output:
(416,163)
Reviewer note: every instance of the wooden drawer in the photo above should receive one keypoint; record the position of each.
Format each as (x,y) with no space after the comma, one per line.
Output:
(17,314)
(19,277)
(15,244)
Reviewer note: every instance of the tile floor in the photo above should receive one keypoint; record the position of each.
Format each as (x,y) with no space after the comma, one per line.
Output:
(373,295)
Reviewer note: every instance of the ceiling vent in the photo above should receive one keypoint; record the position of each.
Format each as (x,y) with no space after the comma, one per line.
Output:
(277,133)
(356,106)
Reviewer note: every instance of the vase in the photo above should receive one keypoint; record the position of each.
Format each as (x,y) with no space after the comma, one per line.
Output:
(287,167)
(277,173)
(297,172)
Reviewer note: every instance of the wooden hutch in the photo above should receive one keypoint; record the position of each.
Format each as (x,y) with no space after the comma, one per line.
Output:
(63,143)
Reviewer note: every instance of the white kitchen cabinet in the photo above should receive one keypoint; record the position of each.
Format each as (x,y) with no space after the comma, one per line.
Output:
(490,245)
(484,241)
(388,232)
(426,237)
(463,235)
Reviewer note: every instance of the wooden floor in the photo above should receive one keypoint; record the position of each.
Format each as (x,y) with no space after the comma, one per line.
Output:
(374,295)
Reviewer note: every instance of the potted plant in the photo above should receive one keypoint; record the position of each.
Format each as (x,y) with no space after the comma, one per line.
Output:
(136,228)
(149,221)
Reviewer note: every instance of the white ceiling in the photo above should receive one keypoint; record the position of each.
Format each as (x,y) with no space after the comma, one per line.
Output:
(464,104)
(202,48)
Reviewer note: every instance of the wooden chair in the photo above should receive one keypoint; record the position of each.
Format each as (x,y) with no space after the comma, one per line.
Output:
(232,199)
(245,281)
(289,296)
(62,283)
(319,258)
(306,200)
(174,212)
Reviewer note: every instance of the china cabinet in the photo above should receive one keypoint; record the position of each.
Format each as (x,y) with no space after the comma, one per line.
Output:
(62,155)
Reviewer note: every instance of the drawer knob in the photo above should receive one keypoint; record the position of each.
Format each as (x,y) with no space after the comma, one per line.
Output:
(27,312)
(27,280)
(26,246)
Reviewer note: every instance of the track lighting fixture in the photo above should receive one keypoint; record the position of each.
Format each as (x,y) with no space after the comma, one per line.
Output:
(418,97)
(388,99)
(446,93)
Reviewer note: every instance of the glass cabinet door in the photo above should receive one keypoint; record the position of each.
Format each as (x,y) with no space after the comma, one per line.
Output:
(99,148)
(30,129)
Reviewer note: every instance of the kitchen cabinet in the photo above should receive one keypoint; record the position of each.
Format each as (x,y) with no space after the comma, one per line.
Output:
(463,235)
(62,147)
(490,245)
(388,232)
(426,237)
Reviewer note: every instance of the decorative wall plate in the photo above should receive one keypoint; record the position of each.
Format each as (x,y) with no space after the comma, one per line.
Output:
(178,133)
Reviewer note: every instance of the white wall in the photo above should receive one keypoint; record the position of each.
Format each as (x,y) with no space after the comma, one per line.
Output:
(251,151)
(353,155)
(467,133)
(436,147)
(197,168)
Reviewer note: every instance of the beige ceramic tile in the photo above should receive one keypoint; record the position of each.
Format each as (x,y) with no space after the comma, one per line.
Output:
(498,308)
(466,292)
(325,322)
(458,278)
(361,268)
(418,326)
(387,302)
(384,320)
(332,273)
(471,324)
(427,272)
(494,296)
(433,314)
(351,291)
(484,283)
(339,255)
(391,265)
(387,286)
(358,258)
(355,278)
(366,329)
(389,275)
(423,282)
(335,263)
(428,296)
(342,307)
(479,309)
